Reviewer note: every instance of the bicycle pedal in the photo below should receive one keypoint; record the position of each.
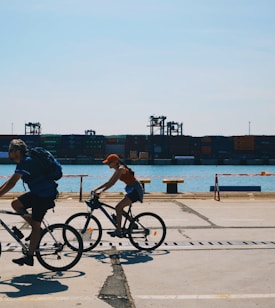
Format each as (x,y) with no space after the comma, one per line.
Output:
(135,226)
(116,234)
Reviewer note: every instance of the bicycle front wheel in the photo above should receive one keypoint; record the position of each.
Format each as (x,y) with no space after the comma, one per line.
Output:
(147,231)
(60,247)
(88,227)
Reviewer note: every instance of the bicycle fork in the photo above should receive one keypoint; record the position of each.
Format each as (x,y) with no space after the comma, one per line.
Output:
(87,223)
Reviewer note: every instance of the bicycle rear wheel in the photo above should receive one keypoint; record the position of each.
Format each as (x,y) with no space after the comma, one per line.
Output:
(55,250)
(88,227)
(147,231)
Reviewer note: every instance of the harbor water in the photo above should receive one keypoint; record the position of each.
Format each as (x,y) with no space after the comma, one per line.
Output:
(197,178)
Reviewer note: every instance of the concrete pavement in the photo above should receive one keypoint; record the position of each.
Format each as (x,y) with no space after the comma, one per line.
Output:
(216,254)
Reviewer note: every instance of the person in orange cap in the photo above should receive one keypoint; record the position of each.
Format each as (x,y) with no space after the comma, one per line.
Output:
(133,188)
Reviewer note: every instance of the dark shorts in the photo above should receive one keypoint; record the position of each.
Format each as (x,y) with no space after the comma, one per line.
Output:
(134,192)
(39,205)
(133,196)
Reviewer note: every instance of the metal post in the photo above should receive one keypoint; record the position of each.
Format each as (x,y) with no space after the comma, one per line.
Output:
(80,189)
(216,189)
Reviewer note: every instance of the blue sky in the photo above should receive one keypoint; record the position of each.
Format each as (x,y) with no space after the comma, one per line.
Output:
(109,65)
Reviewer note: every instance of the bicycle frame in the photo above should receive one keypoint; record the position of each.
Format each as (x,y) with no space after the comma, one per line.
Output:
(56,253)
(17,239)
(8,229)
(100,205)
(145,231)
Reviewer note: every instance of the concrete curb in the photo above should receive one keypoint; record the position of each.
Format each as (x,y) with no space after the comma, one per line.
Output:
(163,195)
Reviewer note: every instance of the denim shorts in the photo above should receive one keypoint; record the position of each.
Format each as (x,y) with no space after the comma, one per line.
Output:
(133,196)
(135,192)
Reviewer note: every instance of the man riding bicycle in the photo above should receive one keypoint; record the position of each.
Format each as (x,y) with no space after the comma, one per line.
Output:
(39,199)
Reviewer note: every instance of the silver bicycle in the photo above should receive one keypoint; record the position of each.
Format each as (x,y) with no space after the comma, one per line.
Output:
(60,247)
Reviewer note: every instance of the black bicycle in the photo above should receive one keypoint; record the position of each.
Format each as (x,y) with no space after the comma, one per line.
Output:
(60,247)
(146,231)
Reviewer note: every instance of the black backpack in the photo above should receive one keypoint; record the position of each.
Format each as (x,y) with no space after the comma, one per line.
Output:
(50,166)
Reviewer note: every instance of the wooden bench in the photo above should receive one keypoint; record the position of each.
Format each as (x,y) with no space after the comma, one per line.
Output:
(217,189)
(172,185)
(143,182)
(236,188)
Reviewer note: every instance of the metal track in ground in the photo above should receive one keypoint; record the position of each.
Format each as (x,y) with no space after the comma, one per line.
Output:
(207,244)
(198,243)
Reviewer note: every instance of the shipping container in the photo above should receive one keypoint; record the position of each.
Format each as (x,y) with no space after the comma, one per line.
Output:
(180,145)
(118,149)
(243,149)
(222,147)
(158,146)
(143,155)
(136,143)
(244,143)
(265,147)
(133,155)
(115,139)
(206,150)
(206,139)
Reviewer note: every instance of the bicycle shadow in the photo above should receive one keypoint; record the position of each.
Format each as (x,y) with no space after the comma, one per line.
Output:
(34,284)
(127,257)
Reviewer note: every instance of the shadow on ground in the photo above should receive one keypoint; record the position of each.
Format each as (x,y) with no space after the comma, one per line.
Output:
(36,284)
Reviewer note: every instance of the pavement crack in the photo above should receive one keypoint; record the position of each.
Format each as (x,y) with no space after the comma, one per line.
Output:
(182,232)
(115,290)
(187,209)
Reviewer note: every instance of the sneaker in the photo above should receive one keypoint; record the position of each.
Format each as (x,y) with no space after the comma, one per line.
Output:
(28,260)
(116,233)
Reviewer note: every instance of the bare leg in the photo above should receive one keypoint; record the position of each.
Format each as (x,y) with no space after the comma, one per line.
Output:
(35,225)
(119,208)
(18,207)
(35,236)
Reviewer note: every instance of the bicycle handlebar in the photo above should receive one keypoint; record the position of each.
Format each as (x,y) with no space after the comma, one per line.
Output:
(94,195)
(93,202)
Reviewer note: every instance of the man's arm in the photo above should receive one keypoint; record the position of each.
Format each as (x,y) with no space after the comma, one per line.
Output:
(10,183)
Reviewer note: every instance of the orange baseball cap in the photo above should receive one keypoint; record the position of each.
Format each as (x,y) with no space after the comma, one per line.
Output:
(111,158)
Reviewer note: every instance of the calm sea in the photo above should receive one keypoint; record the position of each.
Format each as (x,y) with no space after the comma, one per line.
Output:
(196,178)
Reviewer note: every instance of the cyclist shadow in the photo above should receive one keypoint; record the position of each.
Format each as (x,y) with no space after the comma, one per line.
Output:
(128,257)
(32,284)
